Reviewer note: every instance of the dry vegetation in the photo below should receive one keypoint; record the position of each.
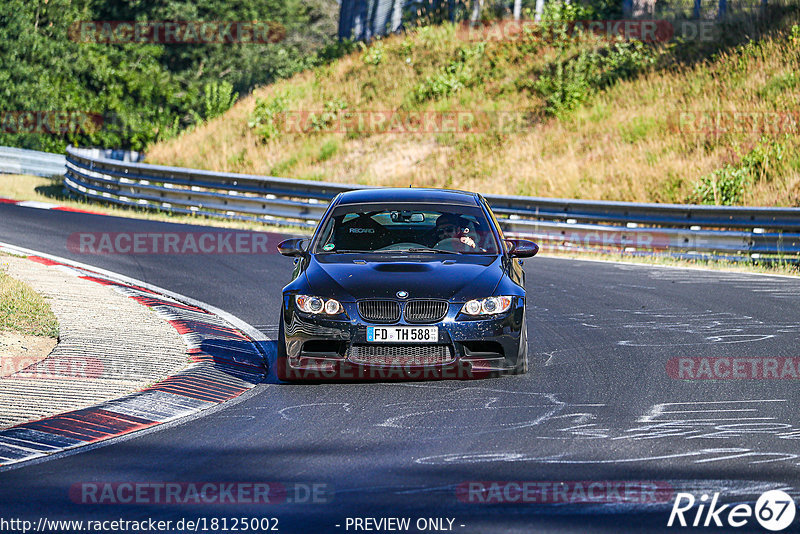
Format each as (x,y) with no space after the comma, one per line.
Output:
(619,141)
(24,311)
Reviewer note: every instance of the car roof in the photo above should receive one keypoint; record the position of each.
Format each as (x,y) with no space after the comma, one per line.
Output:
(409,194)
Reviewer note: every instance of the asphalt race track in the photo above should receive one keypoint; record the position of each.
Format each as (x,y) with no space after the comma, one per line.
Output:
(598,404)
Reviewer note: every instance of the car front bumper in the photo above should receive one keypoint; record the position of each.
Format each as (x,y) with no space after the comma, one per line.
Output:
(319,347)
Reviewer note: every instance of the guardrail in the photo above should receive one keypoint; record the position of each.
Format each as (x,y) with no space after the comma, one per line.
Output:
(733,232)
(22,161)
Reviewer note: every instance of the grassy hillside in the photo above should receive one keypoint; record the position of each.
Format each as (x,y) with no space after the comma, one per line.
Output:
(600,120)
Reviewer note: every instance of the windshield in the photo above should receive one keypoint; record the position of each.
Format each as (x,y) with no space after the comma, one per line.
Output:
(419,228)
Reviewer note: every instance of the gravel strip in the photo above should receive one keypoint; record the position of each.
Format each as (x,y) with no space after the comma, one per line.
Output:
(109,345)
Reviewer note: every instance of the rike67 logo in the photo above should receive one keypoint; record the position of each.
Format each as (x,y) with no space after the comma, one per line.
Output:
(774,510)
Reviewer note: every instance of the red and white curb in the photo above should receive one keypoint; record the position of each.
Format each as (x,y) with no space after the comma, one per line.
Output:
(39,205)
(226,361)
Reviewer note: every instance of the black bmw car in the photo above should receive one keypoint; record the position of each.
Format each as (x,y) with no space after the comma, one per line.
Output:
(404,284)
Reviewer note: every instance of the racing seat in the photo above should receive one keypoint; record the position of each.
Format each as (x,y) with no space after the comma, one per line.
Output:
(361,233)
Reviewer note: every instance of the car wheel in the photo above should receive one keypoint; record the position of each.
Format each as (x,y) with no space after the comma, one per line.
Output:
(522,360)
(281,360)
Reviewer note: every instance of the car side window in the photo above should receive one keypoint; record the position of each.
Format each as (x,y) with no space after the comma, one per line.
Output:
(496,225)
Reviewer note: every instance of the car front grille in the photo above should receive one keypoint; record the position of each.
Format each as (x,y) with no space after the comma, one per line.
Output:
(425,311)
(379,311)
(400,355)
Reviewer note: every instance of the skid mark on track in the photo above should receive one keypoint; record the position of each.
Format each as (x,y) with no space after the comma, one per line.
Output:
(658,410)
(283,412)
(521,411)
(503,410)
(712,420)
(728,419)
(697,456)
(726,339)
(777,287)
(668,327)
(727,422)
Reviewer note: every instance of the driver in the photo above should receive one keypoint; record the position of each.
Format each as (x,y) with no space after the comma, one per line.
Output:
(452,226)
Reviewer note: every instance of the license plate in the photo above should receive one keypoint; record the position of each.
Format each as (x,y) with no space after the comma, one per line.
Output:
(403,334)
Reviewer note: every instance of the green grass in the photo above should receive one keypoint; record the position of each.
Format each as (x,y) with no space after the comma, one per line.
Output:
(638,129)
(23,310)
(777,268)
(328,149)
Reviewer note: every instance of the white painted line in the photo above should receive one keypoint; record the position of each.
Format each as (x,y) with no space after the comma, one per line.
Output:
(37,204)
(157,406)
(68,270)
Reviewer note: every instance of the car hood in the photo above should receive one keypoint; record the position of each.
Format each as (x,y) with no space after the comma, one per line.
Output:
(468,277)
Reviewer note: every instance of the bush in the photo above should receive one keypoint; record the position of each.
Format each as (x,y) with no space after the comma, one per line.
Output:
(462,71)
(570,83)
(264,118)
(219,97)
(372,55)
(330,112)
(725,186)
(729,185)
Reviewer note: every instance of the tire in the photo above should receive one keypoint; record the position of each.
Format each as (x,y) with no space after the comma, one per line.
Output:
(522,360)
(281,359)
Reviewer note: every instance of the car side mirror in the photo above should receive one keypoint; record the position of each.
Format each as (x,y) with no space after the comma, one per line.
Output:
(292,247)
(522,248)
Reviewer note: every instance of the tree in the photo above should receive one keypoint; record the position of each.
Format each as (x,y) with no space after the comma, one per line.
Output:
(477,6)
(644,8)
(142,89)
(539,10)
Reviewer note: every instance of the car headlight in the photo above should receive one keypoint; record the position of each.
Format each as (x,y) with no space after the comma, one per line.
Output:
(487,306)
(317,305)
